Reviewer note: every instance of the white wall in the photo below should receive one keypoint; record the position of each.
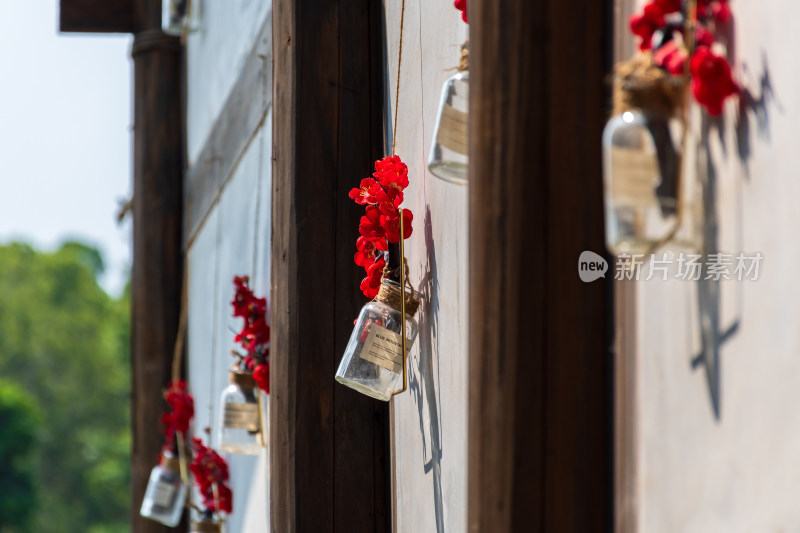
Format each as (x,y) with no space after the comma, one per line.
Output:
(233,240)
(430,420)
(736,467)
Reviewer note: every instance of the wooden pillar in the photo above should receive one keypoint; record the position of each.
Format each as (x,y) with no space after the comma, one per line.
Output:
(328,448)
(158,162)
(540,422)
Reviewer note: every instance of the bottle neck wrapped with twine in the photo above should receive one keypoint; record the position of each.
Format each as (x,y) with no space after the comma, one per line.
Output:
(640,84)
(463,64)
(391,294)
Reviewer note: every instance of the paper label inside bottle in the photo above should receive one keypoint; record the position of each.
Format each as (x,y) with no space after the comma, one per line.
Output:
(241,416)
(636,176)
(453,130)
(384,348)
(162,494)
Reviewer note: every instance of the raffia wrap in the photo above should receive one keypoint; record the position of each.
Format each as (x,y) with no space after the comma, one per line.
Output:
(639,84)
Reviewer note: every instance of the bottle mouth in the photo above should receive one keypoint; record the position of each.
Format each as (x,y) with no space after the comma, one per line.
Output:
(391,294)
(242,378)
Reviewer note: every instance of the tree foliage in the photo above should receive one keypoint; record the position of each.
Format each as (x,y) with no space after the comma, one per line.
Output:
(65,342)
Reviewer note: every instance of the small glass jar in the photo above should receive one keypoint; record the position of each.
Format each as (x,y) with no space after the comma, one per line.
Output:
(178,16)
(240,418)
(449,156)
(166,494)
(650,200)
(373,360)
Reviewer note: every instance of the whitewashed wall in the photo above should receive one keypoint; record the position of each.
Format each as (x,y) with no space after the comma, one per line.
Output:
(719,443)
(233,240)
(429,448)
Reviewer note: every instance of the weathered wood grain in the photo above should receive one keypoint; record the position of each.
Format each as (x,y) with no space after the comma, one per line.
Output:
(328,450)
(540,369)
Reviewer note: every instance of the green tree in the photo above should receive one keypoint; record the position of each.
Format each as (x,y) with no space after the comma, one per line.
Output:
(19,419)
(65,341)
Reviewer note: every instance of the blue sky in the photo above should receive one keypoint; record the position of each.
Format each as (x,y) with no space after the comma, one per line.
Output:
(65,134)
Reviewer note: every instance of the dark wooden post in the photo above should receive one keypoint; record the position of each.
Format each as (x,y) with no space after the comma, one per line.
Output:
(158,162)
(328,448)
(540,369)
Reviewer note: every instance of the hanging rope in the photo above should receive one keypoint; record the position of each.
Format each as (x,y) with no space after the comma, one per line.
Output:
(399,65)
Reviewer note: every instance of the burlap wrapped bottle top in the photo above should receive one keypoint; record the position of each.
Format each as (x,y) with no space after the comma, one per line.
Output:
(639,84)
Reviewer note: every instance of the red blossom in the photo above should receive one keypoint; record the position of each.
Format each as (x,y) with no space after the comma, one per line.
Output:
(711,80)
(370,225)
(668,6)
(367,251)
(391,224)
(370,192)
(210,469)
(255,333)
(261,375)
(646,23)
(461,5)
(391,172)
(671,57)
(181,411)
(703,37)
(721,12)
(371,284)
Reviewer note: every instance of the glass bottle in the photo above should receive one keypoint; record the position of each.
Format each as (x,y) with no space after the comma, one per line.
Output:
(166,494)
(373,360)
(651,202)
(179,15)
(449,159)
(239,418)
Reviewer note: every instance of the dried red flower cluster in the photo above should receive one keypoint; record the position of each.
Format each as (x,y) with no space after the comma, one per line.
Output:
(181,412)
(210,469)
(461,5)
(254,336)
(382,195)
(660,27)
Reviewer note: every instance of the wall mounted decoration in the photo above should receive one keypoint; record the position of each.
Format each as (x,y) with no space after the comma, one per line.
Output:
(165,496)
(375,357)
(449,155)
(239,426)
(652,194)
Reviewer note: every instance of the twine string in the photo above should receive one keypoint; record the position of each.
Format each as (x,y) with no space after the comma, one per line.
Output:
(397,87)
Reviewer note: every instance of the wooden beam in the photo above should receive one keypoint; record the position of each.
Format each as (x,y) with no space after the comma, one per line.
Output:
(540,430)
(328,448)
(158,163)
(96,16)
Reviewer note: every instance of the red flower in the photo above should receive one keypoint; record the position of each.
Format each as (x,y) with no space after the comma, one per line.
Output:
(671,57)
(461,5)
(668,6)
(371,284)
(370,192)
(721,12)
(261,375)
(646,23)
(391,172)
(209,470)
(367,251)
(711,80)
(703,37)
(181,411)
(391,224)
(370,225)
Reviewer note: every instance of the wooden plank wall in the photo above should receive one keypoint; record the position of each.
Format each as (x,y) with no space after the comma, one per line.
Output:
(540,367)
(328,451)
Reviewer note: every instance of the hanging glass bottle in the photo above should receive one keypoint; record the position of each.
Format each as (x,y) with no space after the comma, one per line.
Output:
(166,493)
(373,360)
(239,419)
(449,159)
(652,199)
(179,16)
